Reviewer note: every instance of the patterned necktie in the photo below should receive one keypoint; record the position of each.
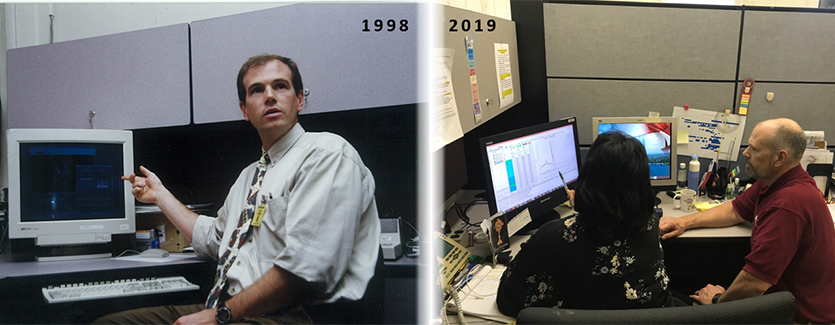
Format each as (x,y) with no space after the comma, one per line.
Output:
(238,236)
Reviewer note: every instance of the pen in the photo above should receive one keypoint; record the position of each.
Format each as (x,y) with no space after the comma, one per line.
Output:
(565,186)
(563,181)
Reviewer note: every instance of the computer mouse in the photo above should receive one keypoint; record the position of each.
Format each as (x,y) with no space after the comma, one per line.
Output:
(154,252)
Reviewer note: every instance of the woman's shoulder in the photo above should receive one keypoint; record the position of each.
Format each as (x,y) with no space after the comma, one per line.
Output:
(561,230)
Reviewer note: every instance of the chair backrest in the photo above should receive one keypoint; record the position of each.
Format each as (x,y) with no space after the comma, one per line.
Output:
(774,308)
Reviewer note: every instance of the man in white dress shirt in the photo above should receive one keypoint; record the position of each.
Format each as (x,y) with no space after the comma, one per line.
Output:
(317,239)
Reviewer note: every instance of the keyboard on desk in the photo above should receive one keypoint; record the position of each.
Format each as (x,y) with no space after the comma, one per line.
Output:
(116,289)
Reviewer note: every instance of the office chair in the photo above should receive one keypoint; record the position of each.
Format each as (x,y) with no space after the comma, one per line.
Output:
(774,308)
(821,170)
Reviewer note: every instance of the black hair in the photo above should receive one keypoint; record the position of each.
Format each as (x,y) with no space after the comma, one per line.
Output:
(613,193)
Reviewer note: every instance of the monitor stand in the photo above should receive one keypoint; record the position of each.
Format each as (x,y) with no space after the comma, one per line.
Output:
(658,210)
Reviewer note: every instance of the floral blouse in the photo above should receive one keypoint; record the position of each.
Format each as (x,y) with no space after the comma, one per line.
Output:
(566,265)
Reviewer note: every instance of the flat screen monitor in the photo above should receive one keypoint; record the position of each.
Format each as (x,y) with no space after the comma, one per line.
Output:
(65,186)
(523,167)
(657,134)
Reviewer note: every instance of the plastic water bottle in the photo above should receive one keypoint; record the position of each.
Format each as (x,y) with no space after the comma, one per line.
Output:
(682,176)
(729,191)
(693,173)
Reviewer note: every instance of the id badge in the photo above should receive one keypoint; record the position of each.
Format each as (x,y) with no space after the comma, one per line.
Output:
(260,210)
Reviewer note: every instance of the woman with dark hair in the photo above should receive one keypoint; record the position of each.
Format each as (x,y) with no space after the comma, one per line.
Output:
(606,256)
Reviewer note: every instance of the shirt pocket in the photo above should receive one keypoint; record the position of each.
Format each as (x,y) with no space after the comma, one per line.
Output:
(272,233)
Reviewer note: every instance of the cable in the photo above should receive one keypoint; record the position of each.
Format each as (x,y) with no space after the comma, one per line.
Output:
(128,251)
(462,213)
(452,290)
(410,225)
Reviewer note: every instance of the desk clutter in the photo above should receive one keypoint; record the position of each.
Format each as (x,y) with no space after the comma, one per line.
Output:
(477,294)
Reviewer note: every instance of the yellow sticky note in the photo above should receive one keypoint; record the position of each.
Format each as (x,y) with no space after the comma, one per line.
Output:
(682,137)
(259,214)
(701,206)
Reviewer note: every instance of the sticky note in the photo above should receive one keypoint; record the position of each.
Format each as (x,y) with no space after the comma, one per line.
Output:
(682,137)
(701,206)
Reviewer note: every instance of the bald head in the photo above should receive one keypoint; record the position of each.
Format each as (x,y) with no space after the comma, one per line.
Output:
(784,134)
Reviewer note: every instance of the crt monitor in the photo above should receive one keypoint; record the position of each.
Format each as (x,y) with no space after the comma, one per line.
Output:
(523,168)
(657,134)
(65,187)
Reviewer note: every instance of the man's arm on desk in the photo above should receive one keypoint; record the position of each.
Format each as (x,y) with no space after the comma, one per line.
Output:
(720,216)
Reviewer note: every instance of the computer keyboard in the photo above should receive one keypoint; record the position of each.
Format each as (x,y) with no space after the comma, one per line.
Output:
(116,289)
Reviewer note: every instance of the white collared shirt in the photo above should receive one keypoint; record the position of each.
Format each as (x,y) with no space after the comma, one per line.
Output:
(321,221)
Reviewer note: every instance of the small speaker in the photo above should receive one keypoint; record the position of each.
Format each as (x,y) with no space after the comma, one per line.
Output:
(390,240)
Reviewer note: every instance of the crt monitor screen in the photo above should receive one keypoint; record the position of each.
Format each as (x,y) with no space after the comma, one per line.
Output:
(70,181)
(658,135)
(65,185)
(523,167)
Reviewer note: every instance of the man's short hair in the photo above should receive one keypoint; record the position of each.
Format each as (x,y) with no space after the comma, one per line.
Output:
(787,135)
(259,60)
(790,139)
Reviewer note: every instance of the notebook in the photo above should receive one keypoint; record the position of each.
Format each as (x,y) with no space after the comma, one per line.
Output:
(478,297)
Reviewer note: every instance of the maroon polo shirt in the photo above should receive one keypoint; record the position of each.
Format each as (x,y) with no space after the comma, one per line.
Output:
(792,241)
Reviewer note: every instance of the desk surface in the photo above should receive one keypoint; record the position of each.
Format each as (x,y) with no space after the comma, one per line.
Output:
(480,212)
(23,281)
(9,268)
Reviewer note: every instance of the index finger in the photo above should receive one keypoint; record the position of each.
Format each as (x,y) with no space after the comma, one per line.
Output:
(131,177)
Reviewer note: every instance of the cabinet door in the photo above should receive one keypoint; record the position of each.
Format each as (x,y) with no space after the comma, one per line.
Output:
(343,66)
(130,80)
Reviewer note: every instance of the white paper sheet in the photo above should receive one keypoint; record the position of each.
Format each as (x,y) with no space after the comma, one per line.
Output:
(504,75)
(518,222)
(705,135)
(445,123)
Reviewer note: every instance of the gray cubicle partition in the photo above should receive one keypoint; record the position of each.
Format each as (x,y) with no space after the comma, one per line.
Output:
(586,98)
(130,80)
(632,42)
(485,62)
(811,105)
(607,59)
(790,54)
(341,65)
(788,46)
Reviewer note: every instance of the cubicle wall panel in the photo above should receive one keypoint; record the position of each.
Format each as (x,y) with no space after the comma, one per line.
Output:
(485,63)
(589,98)
(638,42)
(811,105)
(788,46)
(130,80)
(341,65)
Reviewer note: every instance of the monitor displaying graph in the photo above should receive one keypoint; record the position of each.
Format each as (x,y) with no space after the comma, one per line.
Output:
(525,168)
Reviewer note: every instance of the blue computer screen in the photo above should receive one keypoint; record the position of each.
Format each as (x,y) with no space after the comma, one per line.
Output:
(71,181)
(656,140)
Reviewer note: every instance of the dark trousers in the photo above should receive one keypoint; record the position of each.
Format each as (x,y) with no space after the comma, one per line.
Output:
(170,314)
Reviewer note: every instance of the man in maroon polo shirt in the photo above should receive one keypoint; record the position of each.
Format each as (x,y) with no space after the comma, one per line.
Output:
(793,236)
